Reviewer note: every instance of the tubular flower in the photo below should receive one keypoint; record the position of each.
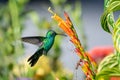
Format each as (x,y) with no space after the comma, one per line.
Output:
(66,25)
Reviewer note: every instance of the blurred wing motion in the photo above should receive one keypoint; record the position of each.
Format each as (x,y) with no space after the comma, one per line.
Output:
(37,40)
(33,40)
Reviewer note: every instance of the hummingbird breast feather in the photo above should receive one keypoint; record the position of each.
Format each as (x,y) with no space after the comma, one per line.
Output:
(48,44)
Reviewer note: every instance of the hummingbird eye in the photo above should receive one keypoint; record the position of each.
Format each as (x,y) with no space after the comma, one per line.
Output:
(51,33)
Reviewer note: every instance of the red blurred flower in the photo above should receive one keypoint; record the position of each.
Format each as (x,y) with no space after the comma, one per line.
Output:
(115,78)
(99,52)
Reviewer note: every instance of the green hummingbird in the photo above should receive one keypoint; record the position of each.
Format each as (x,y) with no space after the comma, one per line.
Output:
(44,43)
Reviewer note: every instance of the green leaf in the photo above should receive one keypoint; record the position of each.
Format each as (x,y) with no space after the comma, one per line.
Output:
(108,67)
(116,35)
(107,19)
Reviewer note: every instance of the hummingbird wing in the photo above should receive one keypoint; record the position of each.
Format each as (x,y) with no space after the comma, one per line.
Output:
(34,58)
(33,40)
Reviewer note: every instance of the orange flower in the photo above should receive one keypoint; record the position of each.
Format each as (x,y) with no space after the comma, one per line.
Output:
(68,21)
(68,28)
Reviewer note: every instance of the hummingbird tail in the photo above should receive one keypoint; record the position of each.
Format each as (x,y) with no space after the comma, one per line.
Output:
(34,58)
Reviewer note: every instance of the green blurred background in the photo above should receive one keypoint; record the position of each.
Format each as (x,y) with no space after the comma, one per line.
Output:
(21,18)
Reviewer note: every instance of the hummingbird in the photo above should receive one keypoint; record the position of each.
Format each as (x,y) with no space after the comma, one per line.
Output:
(44,45)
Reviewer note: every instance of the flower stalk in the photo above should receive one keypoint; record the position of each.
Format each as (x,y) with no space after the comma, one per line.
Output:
(86,62)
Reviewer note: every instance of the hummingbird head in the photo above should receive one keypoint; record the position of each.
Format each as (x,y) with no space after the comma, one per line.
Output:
(52,33)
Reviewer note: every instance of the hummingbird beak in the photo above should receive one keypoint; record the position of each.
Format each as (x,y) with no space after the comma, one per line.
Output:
(61,34)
